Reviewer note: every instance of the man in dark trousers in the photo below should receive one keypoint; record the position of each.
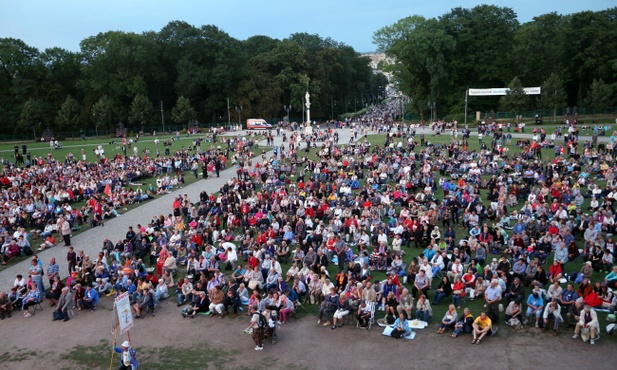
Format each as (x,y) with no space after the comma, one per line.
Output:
(217,166)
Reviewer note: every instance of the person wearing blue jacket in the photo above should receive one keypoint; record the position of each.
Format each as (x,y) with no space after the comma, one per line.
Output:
(128,359)
(91,298)
(535,306)
(400,327)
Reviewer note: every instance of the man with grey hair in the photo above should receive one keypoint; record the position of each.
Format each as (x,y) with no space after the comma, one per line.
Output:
(492,295)
(65,302)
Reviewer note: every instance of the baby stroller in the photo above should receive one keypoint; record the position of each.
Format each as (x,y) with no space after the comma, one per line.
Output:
(271,327)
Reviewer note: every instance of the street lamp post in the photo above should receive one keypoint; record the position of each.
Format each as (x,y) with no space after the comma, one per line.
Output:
(239,110)
(96,124)
(162,116)
(287,109)
(431,106)
(402,111)
(228,115)
(332,104)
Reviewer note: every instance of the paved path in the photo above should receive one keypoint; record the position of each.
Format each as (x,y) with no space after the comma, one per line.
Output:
(91,241)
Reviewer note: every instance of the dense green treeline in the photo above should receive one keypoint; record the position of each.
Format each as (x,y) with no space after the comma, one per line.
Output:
(189,71)
(573,57)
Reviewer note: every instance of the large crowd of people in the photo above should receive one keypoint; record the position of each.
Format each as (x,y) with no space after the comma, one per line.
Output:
(444,222)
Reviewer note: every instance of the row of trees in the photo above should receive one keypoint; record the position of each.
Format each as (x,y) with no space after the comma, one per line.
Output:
(183,72)
(571,56)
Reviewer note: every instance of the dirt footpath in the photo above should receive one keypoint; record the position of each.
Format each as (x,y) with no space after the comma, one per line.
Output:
(168,341)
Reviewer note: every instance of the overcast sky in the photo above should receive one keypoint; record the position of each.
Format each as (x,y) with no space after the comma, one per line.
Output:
(64,23)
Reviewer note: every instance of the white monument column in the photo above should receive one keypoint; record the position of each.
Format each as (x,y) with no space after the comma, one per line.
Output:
(307,104)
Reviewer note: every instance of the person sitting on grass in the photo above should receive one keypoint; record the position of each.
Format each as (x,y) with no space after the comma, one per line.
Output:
(555,272)
(343,310)
(405,303)
(465,325)
(201,305)
(443,290)
(91,298)
(482,325)
(145,302)
(552,311)
(217,299)
(363,315)
(535,305)
(328,307)
(420,284)
(588,321)
(391,304)
(49,242)
(611,278)
(423,309)
(449,319)
(288,307)
(458,292)
(513,311)
(400,328)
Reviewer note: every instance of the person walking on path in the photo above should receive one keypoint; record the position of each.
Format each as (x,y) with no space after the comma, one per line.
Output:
(257,327)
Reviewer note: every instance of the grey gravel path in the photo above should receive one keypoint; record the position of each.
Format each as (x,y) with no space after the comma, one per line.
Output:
(91,241)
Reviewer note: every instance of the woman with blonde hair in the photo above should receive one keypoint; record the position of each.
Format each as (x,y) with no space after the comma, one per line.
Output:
(449,319)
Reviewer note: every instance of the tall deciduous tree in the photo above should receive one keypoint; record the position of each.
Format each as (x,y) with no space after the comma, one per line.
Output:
(553,94)
(32,116)
(68,115)
(141,111)
(183,112)
(598,96)
(104,113)
(20,74)
(515,100)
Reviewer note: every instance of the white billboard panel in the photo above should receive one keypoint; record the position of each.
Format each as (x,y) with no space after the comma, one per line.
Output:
(502,91)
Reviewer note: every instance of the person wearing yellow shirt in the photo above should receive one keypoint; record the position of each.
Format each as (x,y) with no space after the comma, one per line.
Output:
(481,326)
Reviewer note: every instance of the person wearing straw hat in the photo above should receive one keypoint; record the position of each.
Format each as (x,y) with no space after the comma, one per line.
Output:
(128,359)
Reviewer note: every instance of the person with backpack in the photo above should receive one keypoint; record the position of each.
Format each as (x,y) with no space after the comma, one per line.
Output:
(257,327)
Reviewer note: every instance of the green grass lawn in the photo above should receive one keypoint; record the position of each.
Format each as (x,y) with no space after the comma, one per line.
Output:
(477,305)
(74,147)
(411,253)
(111,145)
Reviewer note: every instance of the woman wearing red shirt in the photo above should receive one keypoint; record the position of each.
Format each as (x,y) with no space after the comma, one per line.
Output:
(458,292)
(553,229)
(554,272)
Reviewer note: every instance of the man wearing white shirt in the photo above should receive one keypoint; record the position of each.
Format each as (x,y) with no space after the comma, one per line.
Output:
(455,270)
(232,257)
(437,263)
(227,245)
(428,270)
(398,229)
(20,284)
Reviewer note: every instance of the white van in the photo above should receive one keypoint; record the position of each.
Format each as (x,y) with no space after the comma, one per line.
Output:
(257,124)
